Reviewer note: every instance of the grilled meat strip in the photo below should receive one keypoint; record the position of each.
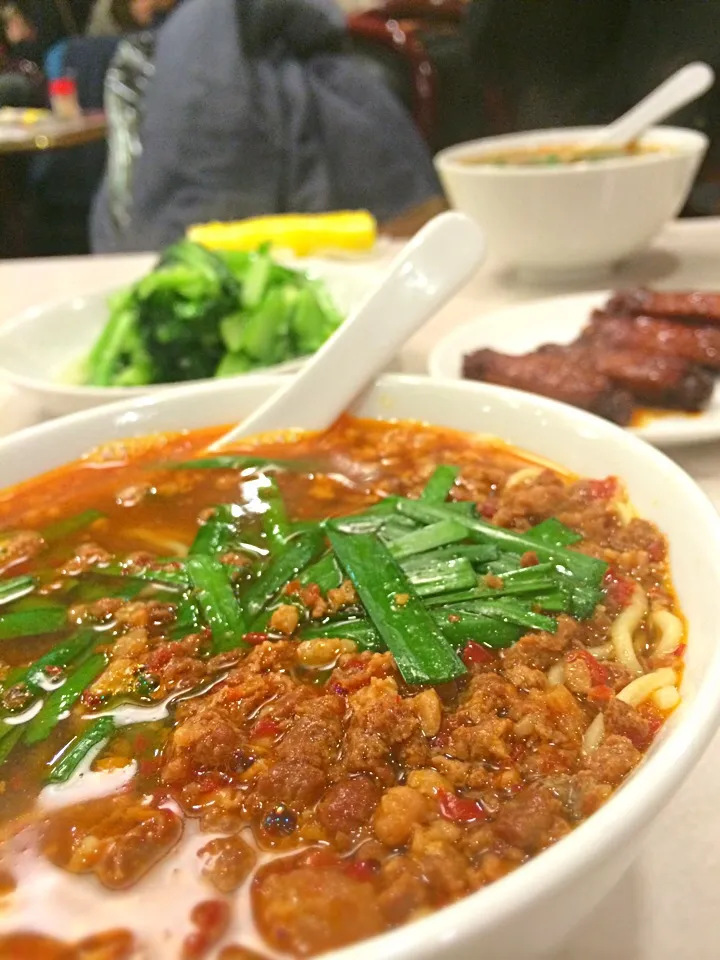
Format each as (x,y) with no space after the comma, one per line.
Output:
(688,305)
(555,375)
(699,345)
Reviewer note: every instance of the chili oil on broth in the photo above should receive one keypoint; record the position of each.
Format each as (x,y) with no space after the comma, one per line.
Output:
(418,795)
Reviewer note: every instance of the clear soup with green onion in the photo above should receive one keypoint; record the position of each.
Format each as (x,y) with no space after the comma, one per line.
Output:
(274,702)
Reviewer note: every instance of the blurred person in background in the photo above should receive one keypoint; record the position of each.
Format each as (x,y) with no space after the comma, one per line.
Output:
(29,30)
(258,107)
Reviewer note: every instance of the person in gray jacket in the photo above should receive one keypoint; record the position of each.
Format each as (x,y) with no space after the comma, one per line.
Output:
(257,107)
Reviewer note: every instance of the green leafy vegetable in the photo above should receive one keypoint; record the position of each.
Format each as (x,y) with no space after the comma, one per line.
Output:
(62,700)
(405,625)
(507,609)
(60,656)
(284,566)
(64,528)
(98,731)
(201,314)
(31,623)
(15,588)
(443,577)
(569,561)
(428,538)
(490,631)
(361,631)
(219,605)
(440,484)
(275,523)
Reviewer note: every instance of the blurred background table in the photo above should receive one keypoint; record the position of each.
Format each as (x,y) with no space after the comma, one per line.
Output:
(19,141)
(665,907)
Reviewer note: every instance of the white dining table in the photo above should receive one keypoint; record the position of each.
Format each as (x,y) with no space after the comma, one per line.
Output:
(666,906)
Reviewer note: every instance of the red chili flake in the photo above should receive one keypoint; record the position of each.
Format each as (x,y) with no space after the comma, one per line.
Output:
(233,694)
(460,809)
(141,743)
(266,727)
(679,650)
(209,782)
(618,588)
(93,700)
(602,489)
(353,664)
(159,658)
(599,674)
(600,694)
(293,588)
(320,857)
(147,768)
(529,559)
(311,594)
(656,550)
(363,870)
(487,509)
(474,653)
(255,639)
(453,618)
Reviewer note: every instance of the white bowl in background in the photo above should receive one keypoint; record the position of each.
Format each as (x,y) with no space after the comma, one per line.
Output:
(531,910)
(39,347)
(571,219)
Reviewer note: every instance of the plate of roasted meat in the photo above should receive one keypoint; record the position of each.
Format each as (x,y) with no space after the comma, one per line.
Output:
(646,359)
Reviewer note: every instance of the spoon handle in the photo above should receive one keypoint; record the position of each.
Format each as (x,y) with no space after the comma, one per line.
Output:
(684,86)
(432,267)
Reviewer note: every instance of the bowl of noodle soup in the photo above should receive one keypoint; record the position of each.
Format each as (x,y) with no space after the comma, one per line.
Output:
(655,648)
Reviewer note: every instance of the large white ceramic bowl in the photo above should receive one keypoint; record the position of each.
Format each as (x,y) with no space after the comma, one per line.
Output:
(531,910)
(568,219)
(40,346)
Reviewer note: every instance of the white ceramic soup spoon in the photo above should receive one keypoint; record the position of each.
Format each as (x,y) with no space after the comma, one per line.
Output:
(684,86)
(440,259)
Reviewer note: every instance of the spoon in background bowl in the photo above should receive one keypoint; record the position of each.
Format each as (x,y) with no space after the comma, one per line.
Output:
(433,266)
(684,86)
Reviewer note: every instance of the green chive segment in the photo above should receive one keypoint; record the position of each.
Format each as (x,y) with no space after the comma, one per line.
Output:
(409,631)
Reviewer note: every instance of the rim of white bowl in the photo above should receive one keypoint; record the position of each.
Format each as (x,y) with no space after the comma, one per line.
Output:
(684,141)
(637,801)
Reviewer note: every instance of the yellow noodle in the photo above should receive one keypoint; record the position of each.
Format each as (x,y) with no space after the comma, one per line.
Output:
(669,631)
(524,475)
(623,629)
(637,691)
(666,698)
(604,651)
(594,734)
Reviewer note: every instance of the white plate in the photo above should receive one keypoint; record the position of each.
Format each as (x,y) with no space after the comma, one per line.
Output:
(39,346)
(525,327)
